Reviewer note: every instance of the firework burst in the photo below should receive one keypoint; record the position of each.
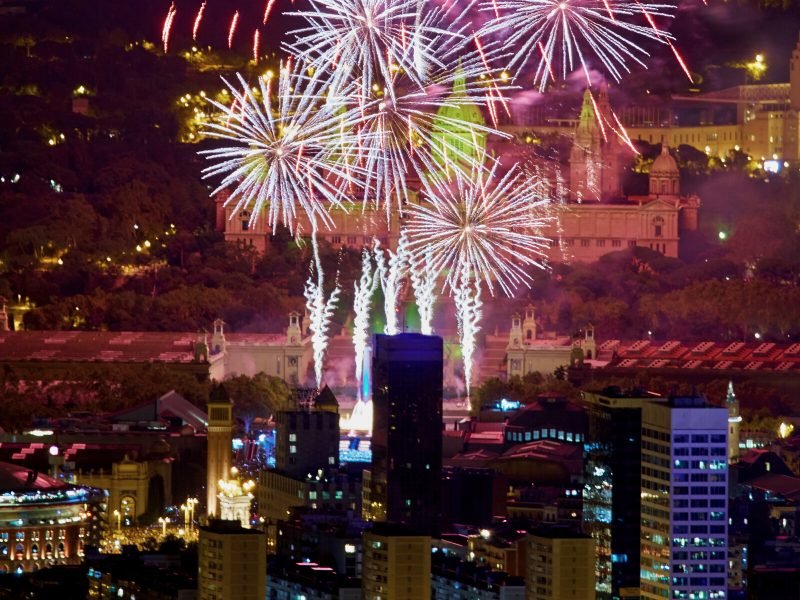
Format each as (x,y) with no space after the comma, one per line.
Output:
(290,149)
(371,40)
(412,71)
(558,36)
(487,223)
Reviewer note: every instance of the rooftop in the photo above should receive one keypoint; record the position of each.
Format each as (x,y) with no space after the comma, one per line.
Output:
(114,346)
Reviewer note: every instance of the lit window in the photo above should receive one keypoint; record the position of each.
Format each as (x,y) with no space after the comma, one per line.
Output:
(292,437)
(292,449)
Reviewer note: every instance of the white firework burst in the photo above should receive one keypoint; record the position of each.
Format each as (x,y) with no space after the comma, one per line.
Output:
(489,224)
(412,68)
(291,148)
(369,41)
(558,36)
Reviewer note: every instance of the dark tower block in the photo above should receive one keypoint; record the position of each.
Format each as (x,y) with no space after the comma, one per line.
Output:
(407,430)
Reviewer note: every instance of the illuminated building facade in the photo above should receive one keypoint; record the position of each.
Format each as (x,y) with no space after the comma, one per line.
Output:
(406,471)
(530,350)
(44,521)
(684,515)
(397,564)
(612,484)
(560,565)
(232,562)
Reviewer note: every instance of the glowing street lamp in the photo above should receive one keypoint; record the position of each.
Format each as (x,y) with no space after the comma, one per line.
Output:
(163,521)
(118,515)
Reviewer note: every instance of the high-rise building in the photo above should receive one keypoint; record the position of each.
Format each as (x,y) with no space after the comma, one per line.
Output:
(561,565)
(406,471)
(612,484)
(397,564)
(684,516)
(232,562)
(307,439)
(220,428)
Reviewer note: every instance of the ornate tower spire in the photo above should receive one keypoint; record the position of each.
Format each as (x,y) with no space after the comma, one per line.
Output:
(734,422)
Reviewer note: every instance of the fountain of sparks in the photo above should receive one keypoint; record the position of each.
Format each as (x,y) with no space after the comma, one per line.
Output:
(320,310)
(467,298)
(391,273)
(364,288)
(423,279)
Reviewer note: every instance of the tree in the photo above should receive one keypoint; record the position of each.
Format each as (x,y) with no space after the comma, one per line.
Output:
(257,397)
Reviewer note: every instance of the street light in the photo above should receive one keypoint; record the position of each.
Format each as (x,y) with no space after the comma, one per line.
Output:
(163,521)
(191,502)
(119,519)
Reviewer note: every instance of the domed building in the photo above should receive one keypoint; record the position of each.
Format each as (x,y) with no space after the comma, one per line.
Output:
(43,521)
(599,218)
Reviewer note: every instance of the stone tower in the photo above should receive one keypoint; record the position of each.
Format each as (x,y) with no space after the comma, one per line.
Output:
(515,335)
(594,161)
(219,440)
(529,325)
(734,422)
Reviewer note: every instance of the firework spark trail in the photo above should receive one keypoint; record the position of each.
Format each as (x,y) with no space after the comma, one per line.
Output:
(232,29)
(268,10)
(364,288)
(256,40)
(467,298)
(320,310)
(570,30)
(289,150)
(423,279)
(491,223)
(167,29)
(197,20)
(391,273)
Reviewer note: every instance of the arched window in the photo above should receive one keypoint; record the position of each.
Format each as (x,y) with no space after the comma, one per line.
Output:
(35,551)
(61,550)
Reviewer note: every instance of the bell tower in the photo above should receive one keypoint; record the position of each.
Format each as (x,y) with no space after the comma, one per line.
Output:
(529,325)
(219,440)
(515,335)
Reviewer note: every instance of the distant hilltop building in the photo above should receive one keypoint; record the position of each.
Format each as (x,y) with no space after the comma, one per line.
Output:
(761,120)
(598,218)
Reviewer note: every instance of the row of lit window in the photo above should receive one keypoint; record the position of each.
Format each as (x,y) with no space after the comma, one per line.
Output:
(568,436)
(698,477)
(701,451)
(682,542)
(600,243)
(699,490)
(686,529)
